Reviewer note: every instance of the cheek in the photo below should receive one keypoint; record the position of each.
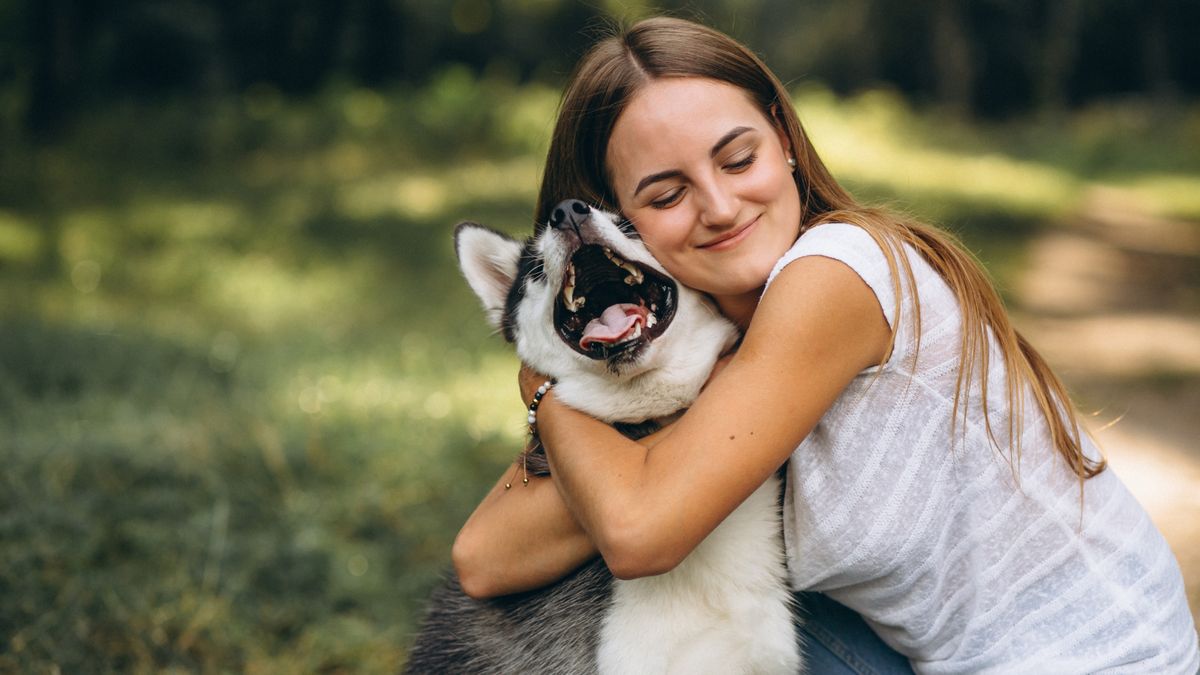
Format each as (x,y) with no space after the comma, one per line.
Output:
(665,233)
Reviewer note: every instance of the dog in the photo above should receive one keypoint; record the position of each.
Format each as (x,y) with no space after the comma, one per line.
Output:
(584,301)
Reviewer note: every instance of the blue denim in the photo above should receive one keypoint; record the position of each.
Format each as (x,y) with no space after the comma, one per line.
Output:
(838,642)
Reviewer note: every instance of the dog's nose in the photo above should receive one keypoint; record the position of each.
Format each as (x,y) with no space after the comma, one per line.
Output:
(569,214)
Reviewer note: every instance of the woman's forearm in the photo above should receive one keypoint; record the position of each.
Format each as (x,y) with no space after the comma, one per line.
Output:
(598,473)
(519,539)
(815,331)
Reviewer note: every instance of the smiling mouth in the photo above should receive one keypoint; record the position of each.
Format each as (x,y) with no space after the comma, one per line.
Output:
(609,308)
(731,235)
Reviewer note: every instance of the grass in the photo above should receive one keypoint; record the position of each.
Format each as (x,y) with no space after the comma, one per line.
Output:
(246,400)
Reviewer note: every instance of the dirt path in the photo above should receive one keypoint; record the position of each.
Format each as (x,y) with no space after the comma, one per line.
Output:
(1112,299)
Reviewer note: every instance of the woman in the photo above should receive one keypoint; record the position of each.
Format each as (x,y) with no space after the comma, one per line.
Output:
(938,484)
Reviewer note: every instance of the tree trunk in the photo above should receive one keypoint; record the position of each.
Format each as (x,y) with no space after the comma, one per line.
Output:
(952,58)
(1058,55)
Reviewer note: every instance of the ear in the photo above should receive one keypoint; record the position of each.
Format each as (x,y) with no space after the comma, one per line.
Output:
(488,259)
(776,120)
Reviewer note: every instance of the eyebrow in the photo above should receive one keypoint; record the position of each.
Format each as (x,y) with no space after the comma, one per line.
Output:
(674,173)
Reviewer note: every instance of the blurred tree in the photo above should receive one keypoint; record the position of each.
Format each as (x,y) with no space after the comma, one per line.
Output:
(988,57)
(952,58)
(1058,55)
(52,49)
(1156,57)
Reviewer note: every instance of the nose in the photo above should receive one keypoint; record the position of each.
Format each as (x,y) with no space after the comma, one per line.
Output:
(569,214)
(718,207)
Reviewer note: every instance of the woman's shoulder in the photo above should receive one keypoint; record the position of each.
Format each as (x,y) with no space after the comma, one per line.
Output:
(853,246)
(821,301)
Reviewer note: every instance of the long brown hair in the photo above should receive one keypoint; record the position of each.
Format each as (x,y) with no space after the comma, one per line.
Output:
(615,69)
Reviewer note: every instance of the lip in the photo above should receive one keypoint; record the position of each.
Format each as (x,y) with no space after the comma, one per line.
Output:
(731,239)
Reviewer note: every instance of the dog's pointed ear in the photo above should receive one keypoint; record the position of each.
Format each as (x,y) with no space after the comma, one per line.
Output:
(488,259)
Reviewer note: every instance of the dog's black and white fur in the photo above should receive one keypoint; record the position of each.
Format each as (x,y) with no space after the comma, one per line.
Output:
(727,607)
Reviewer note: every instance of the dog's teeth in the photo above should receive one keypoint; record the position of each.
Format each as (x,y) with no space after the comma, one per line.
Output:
(635,275)
(572,303)
(650,321)
(653,307)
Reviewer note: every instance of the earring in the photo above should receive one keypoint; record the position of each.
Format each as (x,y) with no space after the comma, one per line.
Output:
(792,163)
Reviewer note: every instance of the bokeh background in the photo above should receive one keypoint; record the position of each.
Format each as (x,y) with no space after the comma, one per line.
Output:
(246,400)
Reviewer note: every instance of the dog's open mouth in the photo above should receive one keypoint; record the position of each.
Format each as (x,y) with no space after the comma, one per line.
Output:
(609,307)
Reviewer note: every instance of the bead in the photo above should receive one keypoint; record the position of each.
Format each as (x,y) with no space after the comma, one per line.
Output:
(533,405)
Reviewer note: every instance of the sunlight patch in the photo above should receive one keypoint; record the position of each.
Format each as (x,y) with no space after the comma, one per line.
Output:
(19,239)
(438,194)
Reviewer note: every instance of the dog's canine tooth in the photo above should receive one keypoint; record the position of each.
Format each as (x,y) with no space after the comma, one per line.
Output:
(568,294)
(569,300)
(651,320)
(635,275)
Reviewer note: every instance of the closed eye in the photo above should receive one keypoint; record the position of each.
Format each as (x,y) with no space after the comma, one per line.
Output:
(669,199)
(675,195)
(742,163)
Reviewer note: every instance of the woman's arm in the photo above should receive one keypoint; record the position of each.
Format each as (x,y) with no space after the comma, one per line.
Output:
(519,539)
(522,538)
(817,327)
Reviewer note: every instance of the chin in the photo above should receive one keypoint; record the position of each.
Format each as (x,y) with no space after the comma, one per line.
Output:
(748,275)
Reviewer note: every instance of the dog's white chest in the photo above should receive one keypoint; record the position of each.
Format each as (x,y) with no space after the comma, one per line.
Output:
(724,609)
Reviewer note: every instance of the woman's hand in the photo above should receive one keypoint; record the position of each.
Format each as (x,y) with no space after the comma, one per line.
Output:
(529,380)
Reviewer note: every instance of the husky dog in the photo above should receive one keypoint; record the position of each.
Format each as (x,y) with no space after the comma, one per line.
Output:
(585,302)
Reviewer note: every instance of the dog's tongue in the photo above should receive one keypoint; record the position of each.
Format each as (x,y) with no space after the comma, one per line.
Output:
(613,325)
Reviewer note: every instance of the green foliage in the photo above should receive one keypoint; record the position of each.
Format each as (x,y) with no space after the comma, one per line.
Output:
(246,400)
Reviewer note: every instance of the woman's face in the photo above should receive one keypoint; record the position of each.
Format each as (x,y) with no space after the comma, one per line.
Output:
(703,175)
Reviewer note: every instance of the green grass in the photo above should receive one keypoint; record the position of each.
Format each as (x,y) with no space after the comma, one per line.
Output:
(245,399)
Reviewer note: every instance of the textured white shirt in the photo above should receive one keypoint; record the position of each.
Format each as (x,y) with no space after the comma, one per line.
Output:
(927,535)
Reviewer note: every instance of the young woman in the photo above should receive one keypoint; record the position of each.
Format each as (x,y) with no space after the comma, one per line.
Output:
(938,483)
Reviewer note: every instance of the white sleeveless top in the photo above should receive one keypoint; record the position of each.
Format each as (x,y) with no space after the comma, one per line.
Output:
(925,533)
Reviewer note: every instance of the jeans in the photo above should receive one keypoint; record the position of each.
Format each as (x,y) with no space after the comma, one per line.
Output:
(837,641)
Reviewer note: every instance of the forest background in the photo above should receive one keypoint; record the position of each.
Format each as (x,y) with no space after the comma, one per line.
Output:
(246,401)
